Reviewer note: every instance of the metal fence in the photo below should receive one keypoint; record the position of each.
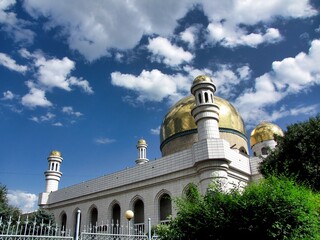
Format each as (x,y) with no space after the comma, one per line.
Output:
(27,230)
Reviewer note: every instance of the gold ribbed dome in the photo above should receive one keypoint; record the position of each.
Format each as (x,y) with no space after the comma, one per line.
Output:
(263,132)
(142,141)
(55,153)
(180,121)
(202,78)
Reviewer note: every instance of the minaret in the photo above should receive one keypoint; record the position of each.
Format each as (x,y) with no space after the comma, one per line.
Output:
(142,152)
(206,112)
(211,162)
(53,173)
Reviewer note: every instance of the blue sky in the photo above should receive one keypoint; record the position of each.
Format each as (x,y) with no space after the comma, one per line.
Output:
(90,78)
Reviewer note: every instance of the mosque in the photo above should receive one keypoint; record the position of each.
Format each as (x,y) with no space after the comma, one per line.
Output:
(202,138)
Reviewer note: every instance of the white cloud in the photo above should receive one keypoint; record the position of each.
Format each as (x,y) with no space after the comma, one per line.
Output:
(11,64)
(189,35)
(153,85)
(8,95)
(235,36)
(226,18)
(69,110)
(79,82)
(55,73)
(155,131)
(27,202)
(47,117)
(35,98)
(225,77)
(13,26)
(289,76)
(102,140)
(170,54)
(57,124)
(94,28)
(50,73)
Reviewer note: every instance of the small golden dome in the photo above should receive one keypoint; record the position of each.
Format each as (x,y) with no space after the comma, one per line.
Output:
(180,121)
(142,141)
(263,132)
(202,78)
(55,153)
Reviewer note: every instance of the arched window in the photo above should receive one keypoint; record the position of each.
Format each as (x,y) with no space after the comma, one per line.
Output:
(206,98)
(243,150)
(63,220)
(138,209)
(93,217)
(116,214)
(264,151)
(165,208)
(200,98)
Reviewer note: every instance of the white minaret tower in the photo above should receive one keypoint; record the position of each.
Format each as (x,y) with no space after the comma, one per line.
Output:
(142,152)
(53,173)
(206,112)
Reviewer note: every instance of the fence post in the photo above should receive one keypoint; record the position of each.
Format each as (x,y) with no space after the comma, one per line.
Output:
(149,228)
(78,224)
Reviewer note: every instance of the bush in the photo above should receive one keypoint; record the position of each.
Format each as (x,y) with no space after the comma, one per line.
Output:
(274,208)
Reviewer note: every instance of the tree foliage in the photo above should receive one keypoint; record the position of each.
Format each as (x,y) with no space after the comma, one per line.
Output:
(6,210)
(297,154)
(270,209)
(42,216)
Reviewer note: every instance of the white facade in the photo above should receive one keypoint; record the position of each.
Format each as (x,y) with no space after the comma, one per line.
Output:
(145,188)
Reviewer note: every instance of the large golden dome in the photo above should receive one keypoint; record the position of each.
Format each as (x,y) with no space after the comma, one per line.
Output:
(179,121)
(263,132)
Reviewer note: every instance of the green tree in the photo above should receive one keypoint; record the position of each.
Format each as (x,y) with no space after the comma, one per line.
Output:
(270,209)
(297,154)
(43,216)
(6,210)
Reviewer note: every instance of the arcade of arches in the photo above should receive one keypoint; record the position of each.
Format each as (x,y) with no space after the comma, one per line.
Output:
(164,212)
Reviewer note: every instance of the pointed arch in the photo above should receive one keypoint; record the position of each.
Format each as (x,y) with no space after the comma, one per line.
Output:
(164,205)
(93,215)
(138,209)
(115,212)
(63,220)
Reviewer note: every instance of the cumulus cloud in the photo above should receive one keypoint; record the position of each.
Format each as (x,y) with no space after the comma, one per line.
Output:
(153,85)
(189,35)
(11,64)
(155,131)
(13,26)
(35,98)
(69,110)
(289,76)
(94,28)
(102,140)
(47,117)
(228,21)
(50,73)
(226,77)
(25,201)
(170,54)
(8,95)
